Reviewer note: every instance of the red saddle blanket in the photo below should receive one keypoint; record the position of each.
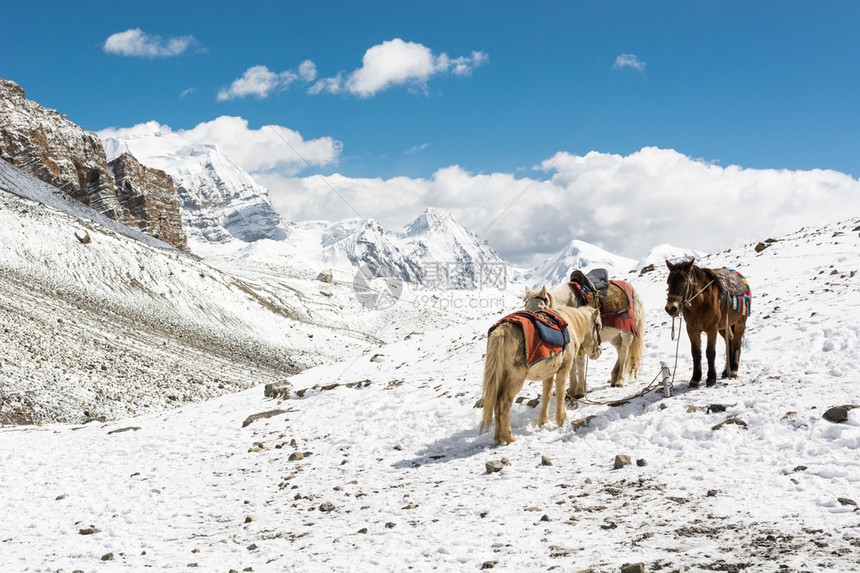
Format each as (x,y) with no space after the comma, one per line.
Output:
(616,304)
(544,331)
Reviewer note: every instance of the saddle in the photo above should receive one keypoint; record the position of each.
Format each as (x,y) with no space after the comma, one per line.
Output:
(733,285)
(545,333)
(613,298)
(595,289)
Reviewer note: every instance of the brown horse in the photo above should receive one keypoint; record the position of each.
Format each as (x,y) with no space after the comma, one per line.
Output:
(696,293)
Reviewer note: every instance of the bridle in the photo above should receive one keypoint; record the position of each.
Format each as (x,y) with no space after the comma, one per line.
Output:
(690,284)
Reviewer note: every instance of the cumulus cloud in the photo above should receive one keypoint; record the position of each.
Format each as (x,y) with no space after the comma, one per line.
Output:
(625,204)
(308,71)
(629,61)
(257,81)
(271,148)
(396,63)
(136,42)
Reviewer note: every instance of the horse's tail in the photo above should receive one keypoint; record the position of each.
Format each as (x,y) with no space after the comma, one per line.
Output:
(637,347)
(494,372)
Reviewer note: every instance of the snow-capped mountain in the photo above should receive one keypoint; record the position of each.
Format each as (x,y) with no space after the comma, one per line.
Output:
(449,254)
(220,200)
(665,252)
(577,255)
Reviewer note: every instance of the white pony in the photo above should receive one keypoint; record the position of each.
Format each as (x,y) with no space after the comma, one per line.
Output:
(628,346)
(505,370)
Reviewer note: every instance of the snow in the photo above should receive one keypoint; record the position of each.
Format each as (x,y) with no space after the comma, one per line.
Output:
(577,255)
(393,475)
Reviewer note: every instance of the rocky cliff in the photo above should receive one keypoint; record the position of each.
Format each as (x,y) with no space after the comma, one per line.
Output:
(150,199)
(46,144)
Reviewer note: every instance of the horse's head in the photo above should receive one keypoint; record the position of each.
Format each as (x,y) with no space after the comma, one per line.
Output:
(536,300)
(592,345)
(680,285)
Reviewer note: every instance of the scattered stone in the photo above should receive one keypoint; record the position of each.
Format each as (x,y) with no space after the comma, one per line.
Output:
(249,518)
(363,530)
(398,447)
(760,247)
(716,408)
(800,468)
(641,462)
(621,461)
(83,237)
(496,465)
(61,496)
(544,517)
(390,525)
(582,422)
(89,530)
(262,415)
(128,429)
(325,277)
(633,568)
(489,565)
(737,421)
(107,557)
(588,480)
(545,461)
(326,507)
(533,403)
(712,492)
(376,357)
(277,390)
(296,456)
(410,506)
(839,414)
(648,269)
(846,501)
(789,415)
(252,547)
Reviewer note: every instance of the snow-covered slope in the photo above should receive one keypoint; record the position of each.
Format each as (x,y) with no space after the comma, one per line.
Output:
(219,199)
(392,471)
(73,310)
(577,255)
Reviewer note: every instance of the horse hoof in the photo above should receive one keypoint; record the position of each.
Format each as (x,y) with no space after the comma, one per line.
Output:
(710,382)
(694,383)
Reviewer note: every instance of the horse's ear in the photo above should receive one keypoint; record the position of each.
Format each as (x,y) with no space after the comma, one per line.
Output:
(689,265)
(528,291)
(542,292)
(670,265)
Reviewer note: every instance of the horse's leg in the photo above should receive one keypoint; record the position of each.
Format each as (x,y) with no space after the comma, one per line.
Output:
(560,383)
(577,388)
(695,337)
(545,400)
(729,340)
(512,386)
(711,355)
(737,337)
(622,346)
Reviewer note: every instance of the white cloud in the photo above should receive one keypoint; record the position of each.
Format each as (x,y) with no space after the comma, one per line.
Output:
(625,204)
(416,149)
(395,63)
(629,61)
(187,92)
(333,85)
(257,81)
(271,148)
(135,42)
(308,71)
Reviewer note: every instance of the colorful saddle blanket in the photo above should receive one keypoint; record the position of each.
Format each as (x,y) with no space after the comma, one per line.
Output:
(734,286)
(615,303)
(545,333)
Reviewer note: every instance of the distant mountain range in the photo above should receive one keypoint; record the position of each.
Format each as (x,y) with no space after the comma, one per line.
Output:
(213,207)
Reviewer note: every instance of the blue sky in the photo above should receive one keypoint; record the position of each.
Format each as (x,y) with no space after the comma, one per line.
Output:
(764,84)
(510,86)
